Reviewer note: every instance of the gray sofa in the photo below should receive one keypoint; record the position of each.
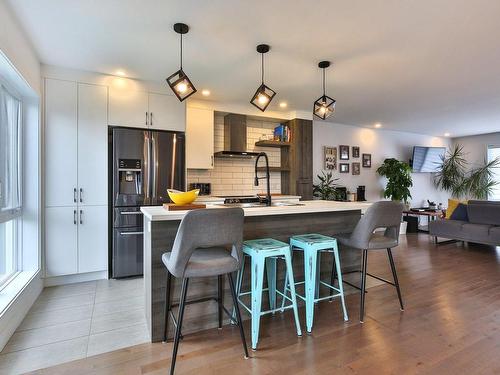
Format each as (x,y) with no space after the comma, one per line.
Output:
(483,225)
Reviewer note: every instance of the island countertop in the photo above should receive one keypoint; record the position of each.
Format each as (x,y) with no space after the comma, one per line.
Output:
(158,213)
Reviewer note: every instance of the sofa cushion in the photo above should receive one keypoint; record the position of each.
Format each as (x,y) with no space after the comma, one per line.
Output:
(460,213)
(446,228)
(475,232)
(494,236)
(452,205)
(484,212)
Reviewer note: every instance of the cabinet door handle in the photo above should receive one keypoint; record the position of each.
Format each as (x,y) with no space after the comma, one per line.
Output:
(147,120)
(212,160)
(74,217)
(81,216)
(74,195)
(81,195)
(151,119)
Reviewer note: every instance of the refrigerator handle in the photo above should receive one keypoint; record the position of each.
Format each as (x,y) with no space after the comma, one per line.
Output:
(155,165)
(174,161)
(146,166)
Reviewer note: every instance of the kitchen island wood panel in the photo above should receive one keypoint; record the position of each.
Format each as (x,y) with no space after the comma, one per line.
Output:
(159,235)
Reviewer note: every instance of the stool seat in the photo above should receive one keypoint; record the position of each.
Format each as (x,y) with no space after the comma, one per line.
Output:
(206,262)
(313,238)
(263,244)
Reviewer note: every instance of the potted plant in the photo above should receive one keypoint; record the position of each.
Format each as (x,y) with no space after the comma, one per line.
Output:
(326,189)
(399,181)
(456,176)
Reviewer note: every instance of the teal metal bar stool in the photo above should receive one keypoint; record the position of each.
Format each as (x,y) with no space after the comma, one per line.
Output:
(263,254)
(313,245)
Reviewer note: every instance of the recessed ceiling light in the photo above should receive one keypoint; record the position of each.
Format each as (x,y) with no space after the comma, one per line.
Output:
(283,104)
(120,73)
(447,134)
(205,92)
(378,125)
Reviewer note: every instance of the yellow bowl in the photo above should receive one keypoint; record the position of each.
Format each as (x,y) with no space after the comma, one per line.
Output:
(181,197)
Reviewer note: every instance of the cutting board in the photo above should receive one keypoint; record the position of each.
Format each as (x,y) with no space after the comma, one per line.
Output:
(182,207)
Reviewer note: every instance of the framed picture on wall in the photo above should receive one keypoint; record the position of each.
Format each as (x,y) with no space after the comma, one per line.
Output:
(330,158)
(344,167)
(367,160)
(344,152)
(356,169)
(355,152)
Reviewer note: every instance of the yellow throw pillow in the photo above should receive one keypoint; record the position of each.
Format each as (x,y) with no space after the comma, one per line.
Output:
(452,205)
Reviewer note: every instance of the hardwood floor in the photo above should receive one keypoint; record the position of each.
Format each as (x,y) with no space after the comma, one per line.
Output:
(450,326)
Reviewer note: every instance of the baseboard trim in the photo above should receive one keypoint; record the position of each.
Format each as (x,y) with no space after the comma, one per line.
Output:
(78,278)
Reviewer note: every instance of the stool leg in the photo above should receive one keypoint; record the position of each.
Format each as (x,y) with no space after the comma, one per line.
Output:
(318,274)
(185,282)
(168,287)
(289,272)
(285,288)
(239,278)
(220,293)
(310,258)
(271,281)
(341,287)
(238,315)
(333,276)
(257,280)
(364,263)
(395,276)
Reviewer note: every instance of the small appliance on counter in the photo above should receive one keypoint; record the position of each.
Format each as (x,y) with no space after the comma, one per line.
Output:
(360,193)
(204,187)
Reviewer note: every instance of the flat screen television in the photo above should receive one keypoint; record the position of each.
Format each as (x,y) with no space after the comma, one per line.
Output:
(427,159)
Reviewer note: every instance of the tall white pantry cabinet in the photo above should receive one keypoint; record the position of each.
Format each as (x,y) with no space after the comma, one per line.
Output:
(76,212)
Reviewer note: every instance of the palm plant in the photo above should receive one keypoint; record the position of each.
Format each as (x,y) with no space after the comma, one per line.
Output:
(456,177)
(327,187)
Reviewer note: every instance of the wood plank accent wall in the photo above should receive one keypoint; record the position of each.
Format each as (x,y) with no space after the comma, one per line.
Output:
(298,158)
(204,315)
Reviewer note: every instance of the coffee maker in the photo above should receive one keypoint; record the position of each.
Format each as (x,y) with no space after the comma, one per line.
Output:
(360,193)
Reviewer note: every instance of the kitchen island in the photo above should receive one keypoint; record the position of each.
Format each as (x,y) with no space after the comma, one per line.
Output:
(279,222)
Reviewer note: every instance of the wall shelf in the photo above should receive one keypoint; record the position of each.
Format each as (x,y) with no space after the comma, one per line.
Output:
(272,144)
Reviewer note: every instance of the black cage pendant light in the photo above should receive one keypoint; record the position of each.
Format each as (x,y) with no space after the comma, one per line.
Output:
(263,96)
(179,82)
(324,106)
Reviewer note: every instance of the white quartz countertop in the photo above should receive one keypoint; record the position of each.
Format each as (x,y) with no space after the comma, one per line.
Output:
(158,213)
(213,198)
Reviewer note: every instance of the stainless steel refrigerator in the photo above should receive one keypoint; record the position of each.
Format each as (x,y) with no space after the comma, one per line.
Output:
(143,165)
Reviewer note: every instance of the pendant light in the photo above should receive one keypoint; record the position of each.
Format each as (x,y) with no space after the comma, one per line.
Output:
(263,96)
(179,82)
(324,106)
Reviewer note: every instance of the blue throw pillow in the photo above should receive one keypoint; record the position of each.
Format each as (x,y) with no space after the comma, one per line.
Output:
(460,213)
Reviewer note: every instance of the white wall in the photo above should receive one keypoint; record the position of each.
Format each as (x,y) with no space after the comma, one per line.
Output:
(18,49)
(476,146)
(381,144)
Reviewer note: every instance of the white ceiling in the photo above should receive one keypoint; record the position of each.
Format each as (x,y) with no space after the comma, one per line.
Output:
(428,66)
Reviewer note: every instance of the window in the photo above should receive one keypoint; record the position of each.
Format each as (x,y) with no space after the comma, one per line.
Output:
(10,182)
(493,153)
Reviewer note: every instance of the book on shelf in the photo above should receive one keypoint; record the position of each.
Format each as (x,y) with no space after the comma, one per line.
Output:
(282,133)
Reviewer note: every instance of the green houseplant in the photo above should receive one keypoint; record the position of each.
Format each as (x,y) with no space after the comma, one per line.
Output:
(399,181)
(326,189)
(456,176)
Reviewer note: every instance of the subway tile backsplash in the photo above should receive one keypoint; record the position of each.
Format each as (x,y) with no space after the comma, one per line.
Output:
(236,177)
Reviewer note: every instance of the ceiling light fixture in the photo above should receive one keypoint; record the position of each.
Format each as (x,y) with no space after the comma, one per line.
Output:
(324,106)
(179,82)
(263,96)
(378,125)
(120,73)
(283,104)
(205,92)
(447,134)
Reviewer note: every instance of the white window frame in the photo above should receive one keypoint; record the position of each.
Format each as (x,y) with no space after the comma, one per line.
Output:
(488,160)
(15,214)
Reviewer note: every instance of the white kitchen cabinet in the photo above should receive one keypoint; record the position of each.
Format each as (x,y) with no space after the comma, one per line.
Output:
(92,238)
(200,138)
(166,112)
(128,106)
(92,145)
(61,226)
(60,143)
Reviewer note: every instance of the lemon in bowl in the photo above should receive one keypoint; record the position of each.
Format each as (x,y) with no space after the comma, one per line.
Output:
(183,197)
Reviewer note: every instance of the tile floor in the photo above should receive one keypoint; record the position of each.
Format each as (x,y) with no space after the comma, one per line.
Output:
(75,321)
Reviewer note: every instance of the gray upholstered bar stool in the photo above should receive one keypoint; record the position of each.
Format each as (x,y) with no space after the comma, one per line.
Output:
(385,214)
(208,243)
